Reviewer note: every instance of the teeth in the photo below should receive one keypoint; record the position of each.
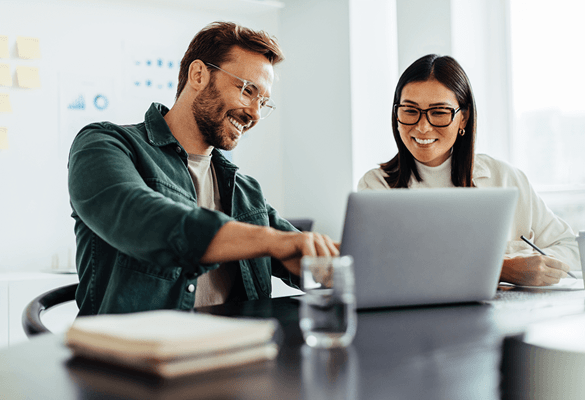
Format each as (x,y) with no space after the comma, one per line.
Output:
(424,141)
(238,126)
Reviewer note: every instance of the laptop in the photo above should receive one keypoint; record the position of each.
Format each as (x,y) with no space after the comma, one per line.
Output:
(427,246)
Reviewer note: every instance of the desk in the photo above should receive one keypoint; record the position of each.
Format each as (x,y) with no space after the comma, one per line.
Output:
(440,352)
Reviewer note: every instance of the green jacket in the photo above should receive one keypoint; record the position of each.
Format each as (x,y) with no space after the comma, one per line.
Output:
(140,234)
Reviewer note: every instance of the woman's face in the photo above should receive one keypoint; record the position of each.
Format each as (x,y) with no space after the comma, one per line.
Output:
(430,145)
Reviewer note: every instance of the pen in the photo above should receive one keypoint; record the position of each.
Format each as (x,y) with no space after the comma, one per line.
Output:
(535,247)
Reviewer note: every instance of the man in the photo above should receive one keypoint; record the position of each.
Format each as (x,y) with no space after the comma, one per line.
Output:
(162,219)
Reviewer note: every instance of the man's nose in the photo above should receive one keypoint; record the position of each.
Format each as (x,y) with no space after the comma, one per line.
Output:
(253,110)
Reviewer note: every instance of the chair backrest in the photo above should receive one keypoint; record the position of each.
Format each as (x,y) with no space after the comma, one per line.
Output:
(31,316)
(302,224)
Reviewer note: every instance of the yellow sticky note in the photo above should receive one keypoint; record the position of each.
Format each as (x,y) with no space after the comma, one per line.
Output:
(5,77)
(28,47)
(4,53)
(5,103)
(3,138)
(28,77)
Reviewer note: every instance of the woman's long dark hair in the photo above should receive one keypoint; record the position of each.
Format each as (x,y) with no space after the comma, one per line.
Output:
(448,72)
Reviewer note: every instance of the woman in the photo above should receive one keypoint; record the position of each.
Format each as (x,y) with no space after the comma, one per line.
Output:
(434,123)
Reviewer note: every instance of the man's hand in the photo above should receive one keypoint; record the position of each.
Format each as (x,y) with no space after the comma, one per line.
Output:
(290,247)
(535,270)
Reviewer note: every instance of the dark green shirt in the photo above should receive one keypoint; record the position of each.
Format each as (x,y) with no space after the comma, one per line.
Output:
(140,234)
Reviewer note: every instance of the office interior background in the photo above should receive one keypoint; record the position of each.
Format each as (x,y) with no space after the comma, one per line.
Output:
(108,60)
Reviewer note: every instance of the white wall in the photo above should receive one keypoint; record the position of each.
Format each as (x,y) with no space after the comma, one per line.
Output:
(424,27)
(316,111)
(92,42)
(374,73)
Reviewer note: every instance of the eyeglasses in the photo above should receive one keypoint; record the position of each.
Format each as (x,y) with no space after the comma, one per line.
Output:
(439,117)
(250,93)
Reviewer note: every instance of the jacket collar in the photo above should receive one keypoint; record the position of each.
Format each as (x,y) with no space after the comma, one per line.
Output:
(219,160)
(159,134)
(157,130)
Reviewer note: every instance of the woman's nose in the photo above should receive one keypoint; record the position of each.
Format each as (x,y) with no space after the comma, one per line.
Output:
(423,124)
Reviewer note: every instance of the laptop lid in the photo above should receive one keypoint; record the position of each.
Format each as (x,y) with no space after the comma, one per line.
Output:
(427,246)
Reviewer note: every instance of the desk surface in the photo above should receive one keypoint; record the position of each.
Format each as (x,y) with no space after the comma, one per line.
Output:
(440,352)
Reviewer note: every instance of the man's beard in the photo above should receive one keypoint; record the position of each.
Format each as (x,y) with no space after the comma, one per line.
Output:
(208,111)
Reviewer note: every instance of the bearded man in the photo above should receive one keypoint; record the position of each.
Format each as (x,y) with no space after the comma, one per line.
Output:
(162,219)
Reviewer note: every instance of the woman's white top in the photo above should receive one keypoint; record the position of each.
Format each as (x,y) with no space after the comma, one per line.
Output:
(532,219)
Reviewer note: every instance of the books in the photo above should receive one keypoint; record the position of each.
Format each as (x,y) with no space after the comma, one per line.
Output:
(172,343)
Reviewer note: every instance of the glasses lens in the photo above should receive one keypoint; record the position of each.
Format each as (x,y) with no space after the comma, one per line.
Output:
(267,108)
(408,115)
(249,93)
(440,116)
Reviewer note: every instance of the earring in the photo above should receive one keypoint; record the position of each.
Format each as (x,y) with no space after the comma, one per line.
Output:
(461,132)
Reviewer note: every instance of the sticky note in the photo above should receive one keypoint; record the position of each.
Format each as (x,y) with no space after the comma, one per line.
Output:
(28,77)
(5,103)
(28,47)
(4,53)
(3,138)
(5,77)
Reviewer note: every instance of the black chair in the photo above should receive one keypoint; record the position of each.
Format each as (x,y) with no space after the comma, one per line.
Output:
(31,316)
(302,224)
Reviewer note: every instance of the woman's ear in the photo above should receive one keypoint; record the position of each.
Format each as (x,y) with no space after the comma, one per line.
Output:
(464,119)
(198,76)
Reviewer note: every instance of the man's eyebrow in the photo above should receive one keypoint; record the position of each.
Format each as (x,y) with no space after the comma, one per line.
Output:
(411,102)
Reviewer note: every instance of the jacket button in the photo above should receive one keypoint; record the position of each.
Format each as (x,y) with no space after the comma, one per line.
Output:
(178,149)
(191,288)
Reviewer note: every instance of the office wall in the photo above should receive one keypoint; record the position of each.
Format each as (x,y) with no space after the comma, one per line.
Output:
(374,72)
(316,114)
(91,47)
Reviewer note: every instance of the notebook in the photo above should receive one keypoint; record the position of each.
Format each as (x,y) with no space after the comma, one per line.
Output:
(427,246)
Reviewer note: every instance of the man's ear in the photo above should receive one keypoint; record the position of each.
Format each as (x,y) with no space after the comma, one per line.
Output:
(198,77)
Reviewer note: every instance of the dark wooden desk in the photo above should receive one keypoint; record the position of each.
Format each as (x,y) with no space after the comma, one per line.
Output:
(448,352)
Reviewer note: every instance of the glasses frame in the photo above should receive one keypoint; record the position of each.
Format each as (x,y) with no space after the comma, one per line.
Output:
(421,112)
(263,103)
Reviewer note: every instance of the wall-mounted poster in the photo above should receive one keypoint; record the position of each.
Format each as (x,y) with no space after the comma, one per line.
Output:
(83,100)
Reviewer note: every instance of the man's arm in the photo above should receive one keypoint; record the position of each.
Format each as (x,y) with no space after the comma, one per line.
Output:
(237,241)
(111,197)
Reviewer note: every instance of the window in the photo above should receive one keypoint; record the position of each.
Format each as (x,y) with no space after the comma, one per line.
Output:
(548,91)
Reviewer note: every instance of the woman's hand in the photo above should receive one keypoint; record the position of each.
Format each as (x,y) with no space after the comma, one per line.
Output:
(534,270)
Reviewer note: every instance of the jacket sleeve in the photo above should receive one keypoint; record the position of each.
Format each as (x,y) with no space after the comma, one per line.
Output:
(278,269)
(109,195)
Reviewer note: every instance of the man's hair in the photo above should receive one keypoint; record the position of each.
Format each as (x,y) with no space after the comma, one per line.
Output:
(447,71)
(214,42)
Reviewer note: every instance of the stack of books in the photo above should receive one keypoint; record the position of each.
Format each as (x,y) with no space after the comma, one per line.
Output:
(172,343)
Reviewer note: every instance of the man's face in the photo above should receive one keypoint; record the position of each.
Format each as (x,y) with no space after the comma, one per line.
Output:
(220,115)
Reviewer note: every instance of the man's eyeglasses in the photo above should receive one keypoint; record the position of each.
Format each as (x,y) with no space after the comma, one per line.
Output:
(250,93)
(439,117)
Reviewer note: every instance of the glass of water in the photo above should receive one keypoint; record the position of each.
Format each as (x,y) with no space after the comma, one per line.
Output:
(328,315)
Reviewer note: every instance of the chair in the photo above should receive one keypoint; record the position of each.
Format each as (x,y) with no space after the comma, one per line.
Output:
(302,224)
(31,316)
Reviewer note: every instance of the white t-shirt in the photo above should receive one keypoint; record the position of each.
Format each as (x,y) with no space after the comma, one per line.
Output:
(214,286)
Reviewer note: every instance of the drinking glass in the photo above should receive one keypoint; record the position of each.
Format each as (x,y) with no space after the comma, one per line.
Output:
(327,314)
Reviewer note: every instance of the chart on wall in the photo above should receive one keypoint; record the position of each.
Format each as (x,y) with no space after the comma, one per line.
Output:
(150,75)
(83,100)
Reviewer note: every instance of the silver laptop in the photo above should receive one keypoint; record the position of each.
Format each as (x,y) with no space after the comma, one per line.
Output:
(427,246)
